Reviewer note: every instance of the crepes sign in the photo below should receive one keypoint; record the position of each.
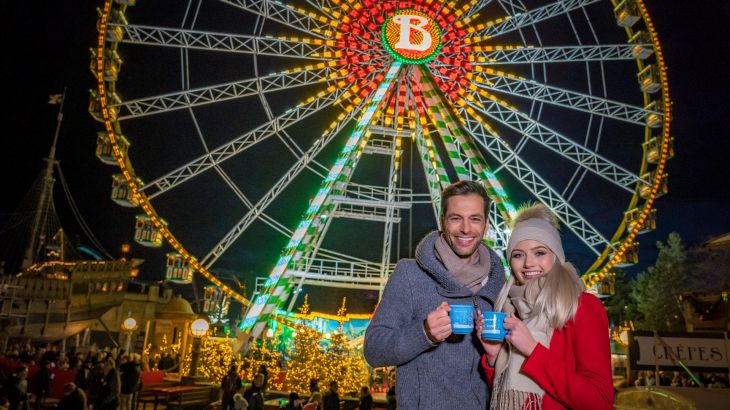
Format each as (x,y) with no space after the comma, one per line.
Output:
(701,351)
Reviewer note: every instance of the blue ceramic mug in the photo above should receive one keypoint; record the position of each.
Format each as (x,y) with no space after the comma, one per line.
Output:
(462,319)
(493,328)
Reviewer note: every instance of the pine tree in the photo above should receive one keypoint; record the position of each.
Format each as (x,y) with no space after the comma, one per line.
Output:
(263,353)
(343,364)
(655,291)
(307,356)
(621,306)
(216,356)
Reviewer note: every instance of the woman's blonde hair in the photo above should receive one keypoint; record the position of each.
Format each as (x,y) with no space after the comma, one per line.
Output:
(556,294)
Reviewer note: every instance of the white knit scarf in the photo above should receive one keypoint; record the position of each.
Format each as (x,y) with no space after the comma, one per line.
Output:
(512,388)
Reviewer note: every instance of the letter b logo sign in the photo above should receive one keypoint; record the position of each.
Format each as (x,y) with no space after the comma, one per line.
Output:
(411,36)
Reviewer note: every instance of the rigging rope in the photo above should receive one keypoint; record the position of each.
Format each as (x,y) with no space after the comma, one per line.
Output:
(79,218)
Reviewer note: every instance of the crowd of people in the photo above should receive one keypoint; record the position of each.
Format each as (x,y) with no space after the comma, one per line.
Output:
(680,379)
(110,379)
(234,396)
(98,379)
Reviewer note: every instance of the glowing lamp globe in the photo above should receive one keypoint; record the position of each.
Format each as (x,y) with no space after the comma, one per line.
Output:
(270,333)
(199,327)
(624,337)
(129,324)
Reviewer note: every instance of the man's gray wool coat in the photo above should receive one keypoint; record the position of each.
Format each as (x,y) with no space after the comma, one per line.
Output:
(445,376)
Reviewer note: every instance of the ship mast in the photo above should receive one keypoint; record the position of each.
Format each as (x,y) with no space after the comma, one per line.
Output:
(45,202)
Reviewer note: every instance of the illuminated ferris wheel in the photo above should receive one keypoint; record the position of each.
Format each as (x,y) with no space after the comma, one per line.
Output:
(257,123)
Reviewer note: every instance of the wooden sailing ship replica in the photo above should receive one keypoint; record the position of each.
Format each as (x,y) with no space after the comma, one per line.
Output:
(53,291)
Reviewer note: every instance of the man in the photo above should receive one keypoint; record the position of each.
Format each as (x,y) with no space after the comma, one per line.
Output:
(15,389)
(130,381)
(254,395)
(73,398)
(366,399)
(166,363)
(108,398)
(42,381)
(331,398)
(411,328)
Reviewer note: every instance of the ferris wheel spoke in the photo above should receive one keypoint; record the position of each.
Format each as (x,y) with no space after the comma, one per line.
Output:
(276,225)
(533,182)
(511,7)
(533,90)
(477,6)
(325,7)
(520,20)
(226,42)
(498,227)
(242,143)
(228,91)
(556,142)
(567,54)
(237,191)
(289,16)
(430,167)
(297,151)
(301,164)
(436,176)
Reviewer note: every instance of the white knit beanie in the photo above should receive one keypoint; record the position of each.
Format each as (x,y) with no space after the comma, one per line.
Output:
(536,223)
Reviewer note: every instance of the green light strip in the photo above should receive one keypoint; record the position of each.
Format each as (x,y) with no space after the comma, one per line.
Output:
(277,283)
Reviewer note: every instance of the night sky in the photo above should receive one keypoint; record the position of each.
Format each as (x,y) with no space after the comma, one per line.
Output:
(48,48)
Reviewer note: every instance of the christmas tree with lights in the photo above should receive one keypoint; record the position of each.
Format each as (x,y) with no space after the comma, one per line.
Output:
(166,347)
(262,353)
(216,357)
(342,362)
(307,357)
(334,360)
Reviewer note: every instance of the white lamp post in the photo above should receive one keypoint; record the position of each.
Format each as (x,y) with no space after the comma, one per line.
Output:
(129,325)
(198,328)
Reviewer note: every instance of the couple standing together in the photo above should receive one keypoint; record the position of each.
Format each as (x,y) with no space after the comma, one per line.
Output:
(556,354)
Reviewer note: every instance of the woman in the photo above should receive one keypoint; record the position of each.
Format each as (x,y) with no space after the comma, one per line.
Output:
(315,402)
(557,353)
(230,385)
(295,403)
